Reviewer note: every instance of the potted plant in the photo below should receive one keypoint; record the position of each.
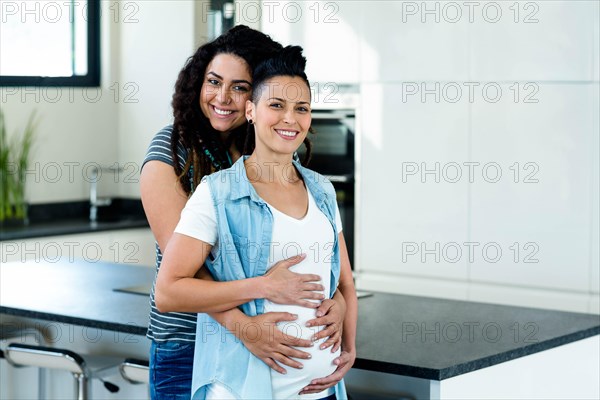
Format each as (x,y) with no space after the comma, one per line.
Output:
(14,160)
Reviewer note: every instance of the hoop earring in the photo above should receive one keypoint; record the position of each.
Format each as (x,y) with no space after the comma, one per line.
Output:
(250,121)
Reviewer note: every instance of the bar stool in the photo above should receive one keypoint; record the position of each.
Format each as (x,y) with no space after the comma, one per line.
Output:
(135,371)
(9,332)
(22,355)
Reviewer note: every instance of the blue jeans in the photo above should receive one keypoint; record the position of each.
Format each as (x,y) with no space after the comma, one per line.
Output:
(331,397)
(171,370)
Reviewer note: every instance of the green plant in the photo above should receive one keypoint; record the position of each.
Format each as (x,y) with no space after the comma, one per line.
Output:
(14,160)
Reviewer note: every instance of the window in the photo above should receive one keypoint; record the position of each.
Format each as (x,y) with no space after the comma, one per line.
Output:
(50,43)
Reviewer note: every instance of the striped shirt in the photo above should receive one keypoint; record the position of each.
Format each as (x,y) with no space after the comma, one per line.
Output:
(174,325)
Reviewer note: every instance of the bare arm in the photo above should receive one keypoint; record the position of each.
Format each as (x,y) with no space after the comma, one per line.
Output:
(346,286)
(162,198)
(346,359)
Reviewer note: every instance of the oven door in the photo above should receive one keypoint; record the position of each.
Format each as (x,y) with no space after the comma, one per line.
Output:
(333,156)
(332,143)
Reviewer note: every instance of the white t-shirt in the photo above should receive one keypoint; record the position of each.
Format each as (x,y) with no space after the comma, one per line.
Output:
(311,235)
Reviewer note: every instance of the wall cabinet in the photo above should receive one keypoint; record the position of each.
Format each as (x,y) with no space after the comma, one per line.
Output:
(478,154)
(328,31)
(413,187)
(538,211)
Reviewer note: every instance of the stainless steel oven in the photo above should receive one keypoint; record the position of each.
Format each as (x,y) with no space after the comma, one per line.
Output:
(333,156)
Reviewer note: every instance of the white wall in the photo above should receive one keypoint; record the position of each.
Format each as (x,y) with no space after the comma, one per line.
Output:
(541,220)
(144,45)
(416,226)
(152,52)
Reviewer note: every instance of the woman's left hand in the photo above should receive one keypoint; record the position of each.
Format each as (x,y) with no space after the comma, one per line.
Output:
(344,362)
(330,314)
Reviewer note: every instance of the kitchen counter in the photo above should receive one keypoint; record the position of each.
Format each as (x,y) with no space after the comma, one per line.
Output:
(425,338)
(68,227)
(78,293)
(414,336)
(73,217)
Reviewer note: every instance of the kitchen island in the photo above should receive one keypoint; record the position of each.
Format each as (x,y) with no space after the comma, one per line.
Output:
(408,346)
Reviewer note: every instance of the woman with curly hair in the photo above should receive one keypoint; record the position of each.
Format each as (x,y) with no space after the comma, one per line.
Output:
(207,135)
(238,220)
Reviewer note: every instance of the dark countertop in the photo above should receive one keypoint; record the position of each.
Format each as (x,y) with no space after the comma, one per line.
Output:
(68,227)
(73,217)
(438,339)
(404,335)
(78,293)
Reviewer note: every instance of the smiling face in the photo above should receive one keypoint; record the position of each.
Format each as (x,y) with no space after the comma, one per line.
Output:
(281,115)
(225,89)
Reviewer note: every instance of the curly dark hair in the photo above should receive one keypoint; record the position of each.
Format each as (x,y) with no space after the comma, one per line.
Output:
(289,61)
(191,128)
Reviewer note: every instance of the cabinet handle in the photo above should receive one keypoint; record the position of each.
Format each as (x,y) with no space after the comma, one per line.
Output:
(339,178)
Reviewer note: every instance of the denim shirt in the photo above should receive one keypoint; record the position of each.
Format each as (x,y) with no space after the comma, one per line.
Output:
(245,227)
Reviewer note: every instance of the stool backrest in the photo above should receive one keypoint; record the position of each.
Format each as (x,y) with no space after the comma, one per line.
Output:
(135,371)
(44,357)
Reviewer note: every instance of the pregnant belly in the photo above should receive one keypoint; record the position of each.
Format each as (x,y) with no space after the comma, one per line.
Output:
(320,365)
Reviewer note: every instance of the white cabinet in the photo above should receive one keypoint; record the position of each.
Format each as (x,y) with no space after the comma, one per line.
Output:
(594,183)
(91,247)
(407,41)
(538,211)
(130,246)
(134,246)
(541,40)
(328,31)
(527,296)
(595,12)
(413,185)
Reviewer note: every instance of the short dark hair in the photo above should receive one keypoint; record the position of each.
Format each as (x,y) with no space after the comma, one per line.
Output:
(289,61)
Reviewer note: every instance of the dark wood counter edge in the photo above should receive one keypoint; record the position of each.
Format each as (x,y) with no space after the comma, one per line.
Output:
(131,328)
(370,365)
(460,369)
(72,230)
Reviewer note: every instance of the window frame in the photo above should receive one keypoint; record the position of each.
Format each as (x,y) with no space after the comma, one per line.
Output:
(91,79)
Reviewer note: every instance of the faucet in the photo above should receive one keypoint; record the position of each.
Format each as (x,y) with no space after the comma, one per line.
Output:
(95,202)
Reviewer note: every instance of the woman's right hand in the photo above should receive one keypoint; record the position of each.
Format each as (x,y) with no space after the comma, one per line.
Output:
(286,287)
(261,336)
